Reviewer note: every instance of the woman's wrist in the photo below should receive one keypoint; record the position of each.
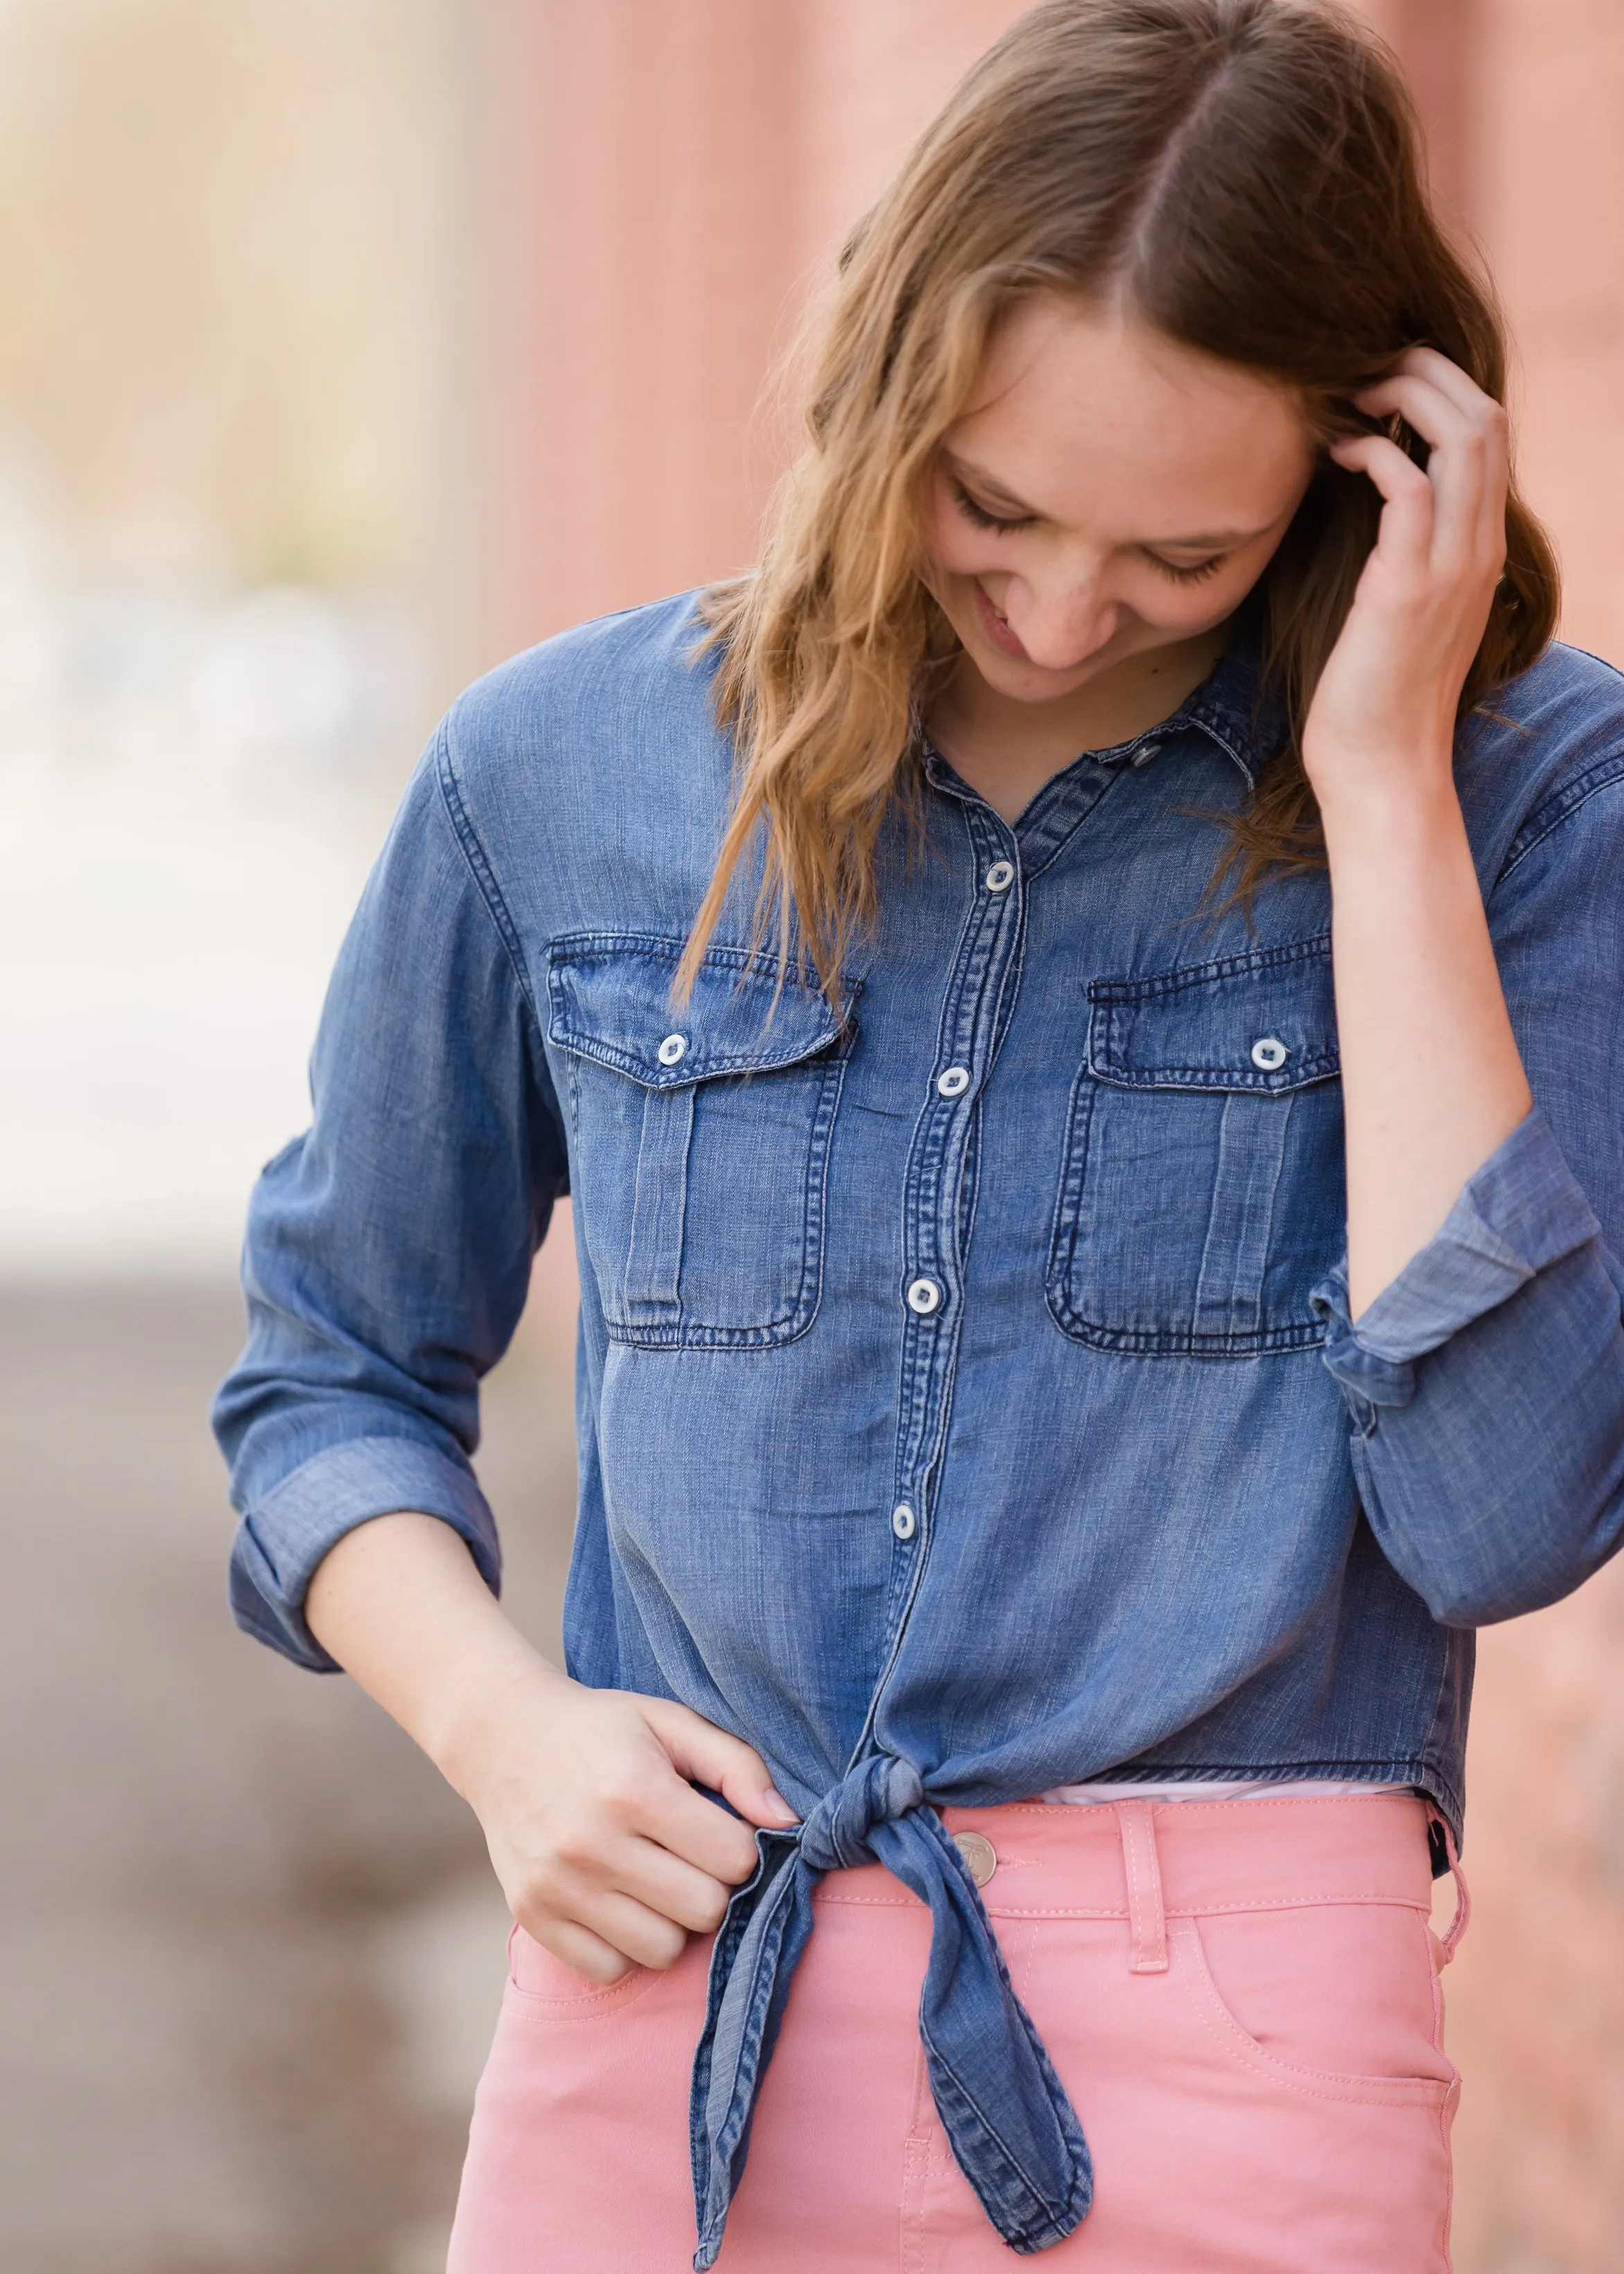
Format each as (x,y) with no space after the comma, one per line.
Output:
(472,1703)
(1387,801)
(400,1604)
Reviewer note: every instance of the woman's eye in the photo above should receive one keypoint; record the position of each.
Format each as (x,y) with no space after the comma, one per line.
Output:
(1196,576)
(979,516)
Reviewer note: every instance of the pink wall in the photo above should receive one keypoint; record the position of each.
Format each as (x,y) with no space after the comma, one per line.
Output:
(697,165)
(690,170)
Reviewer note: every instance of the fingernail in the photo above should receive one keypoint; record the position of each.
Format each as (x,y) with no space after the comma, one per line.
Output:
(777,1805)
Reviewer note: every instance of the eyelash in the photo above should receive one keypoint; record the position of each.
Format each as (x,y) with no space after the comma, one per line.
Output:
(979,516)
(1197,575)
(975,512)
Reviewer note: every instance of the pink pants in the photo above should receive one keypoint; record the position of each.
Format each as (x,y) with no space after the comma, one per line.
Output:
(1241,1997)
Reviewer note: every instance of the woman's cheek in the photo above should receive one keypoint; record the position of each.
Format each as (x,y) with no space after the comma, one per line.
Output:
(951,548)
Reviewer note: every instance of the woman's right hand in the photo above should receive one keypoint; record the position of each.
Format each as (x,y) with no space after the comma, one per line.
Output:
(606,1853)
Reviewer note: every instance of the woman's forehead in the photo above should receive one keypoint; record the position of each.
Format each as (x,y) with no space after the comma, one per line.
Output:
(1081,411)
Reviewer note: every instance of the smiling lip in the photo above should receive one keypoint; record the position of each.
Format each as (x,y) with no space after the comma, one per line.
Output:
(995,627)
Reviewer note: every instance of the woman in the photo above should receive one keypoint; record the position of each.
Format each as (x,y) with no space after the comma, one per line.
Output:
(1082,1315)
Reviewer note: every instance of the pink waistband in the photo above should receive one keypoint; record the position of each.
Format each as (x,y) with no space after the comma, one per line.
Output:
(1032,1858)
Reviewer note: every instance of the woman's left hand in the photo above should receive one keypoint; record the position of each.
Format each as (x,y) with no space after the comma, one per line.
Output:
(1382,720)
(1431,1080)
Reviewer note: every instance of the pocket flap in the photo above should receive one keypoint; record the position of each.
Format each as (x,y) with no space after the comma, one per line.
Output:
(1262,1021)
(610,998)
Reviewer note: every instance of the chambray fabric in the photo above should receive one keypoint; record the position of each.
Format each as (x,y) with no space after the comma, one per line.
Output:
(967,1398)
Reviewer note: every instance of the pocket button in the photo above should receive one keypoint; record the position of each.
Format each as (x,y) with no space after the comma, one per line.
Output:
(673,1050)
(1270,1054)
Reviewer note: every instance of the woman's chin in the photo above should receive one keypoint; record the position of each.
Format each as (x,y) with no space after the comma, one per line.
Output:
(1026,682)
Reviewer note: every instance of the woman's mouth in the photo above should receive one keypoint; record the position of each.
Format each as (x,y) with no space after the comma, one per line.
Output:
(996,625)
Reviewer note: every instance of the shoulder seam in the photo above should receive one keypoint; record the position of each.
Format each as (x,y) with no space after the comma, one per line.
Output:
(1558,809)
(479,866)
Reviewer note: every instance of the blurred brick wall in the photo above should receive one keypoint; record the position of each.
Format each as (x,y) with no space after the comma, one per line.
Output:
(1524,100)
(684,175)
(696,167)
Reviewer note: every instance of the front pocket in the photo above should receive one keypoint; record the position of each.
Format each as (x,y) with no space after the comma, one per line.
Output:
(547,1985)
(700,1137)
(1201,1188)
(1337,2000)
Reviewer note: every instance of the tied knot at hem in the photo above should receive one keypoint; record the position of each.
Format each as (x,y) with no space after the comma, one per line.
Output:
(835,1835)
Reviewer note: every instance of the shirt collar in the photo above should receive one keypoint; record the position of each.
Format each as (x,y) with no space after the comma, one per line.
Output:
(1242,718)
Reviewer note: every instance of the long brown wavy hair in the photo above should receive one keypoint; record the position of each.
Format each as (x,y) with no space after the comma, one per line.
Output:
(1247,175)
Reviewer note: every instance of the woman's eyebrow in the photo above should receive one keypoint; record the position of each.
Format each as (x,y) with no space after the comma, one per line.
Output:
(1221,540)
(964,470)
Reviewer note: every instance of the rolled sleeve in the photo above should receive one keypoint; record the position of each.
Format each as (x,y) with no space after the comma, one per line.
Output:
(1485,1385)
(1522,1212)
(388,1249)
(279,1545)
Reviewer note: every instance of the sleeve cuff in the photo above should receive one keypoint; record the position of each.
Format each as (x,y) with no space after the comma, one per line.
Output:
(1523,1211)
(280,1542)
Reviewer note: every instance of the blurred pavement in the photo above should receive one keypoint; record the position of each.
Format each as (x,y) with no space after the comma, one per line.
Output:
(251,1947)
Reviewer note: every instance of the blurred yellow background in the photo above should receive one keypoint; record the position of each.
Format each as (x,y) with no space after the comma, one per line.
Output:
(346,345)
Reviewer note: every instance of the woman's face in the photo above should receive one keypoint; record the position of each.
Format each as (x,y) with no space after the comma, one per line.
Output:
(1107,494)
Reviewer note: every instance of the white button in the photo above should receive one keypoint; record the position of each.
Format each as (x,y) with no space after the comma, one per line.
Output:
(903,1522)
(1269,1055)
(980,1856)
(954,1082)
(1000,877)
(672,1051)
(924,1296)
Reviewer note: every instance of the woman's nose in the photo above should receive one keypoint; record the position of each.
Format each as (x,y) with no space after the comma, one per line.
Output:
(1064,626)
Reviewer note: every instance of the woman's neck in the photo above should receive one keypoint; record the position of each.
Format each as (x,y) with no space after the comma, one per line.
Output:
(1007,750)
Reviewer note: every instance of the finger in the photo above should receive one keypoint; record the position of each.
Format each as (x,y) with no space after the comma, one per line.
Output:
(713,1756)
(698,1831)
(1461,389)
(644,1936)
(1469,465)
(1435,416)
(1406,534)
(579,1948)
(654,1875)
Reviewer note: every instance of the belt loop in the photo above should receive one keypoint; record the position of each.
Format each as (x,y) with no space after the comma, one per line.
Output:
(1146,1922)
(1461,1920)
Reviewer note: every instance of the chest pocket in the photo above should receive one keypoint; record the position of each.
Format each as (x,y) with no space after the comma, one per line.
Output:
(1201,1192)
(701,1138)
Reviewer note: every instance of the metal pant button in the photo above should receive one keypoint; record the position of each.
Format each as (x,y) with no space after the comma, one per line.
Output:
(980,1856)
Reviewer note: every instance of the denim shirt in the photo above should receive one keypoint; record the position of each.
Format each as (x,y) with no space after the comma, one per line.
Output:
(967,1398)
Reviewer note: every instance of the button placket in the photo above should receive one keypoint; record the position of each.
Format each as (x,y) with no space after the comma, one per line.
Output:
(974,1010)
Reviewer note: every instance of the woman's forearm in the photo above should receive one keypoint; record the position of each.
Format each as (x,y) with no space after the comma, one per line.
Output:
(400,1604)
(1432,1078)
